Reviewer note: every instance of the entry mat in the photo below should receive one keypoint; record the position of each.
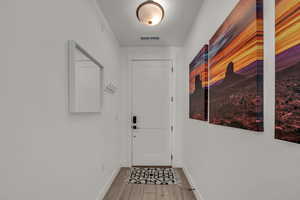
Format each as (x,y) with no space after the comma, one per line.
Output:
(153,176)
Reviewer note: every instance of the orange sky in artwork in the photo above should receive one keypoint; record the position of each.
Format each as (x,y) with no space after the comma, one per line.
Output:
(202,70)
(233,19)
(287,24)
(244,49)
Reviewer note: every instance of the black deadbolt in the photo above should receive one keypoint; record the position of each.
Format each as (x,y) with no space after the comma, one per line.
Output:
(134,119)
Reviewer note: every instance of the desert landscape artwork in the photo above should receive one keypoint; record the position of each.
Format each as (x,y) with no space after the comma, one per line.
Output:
(287,121)
(236,69)
(199,85)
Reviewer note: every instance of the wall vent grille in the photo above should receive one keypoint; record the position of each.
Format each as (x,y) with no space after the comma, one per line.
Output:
(150,38)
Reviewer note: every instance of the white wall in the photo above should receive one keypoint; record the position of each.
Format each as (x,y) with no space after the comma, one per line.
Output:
(47,153)
(234,164)
(129,53)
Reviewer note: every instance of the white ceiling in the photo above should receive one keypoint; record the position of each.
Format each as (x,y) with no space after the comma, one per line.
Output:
(179,17)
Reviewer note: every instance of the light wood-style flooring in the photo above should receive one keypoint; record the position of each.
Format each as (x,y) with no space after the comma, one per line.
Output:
(121,190)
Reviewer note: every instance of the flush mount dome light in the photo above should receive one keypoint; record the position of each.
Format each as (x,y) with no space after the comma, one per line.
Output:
(150,13)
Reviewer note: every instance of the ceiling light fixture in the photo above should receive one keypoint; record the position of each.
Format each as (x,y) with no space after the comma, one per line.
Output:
(150,13)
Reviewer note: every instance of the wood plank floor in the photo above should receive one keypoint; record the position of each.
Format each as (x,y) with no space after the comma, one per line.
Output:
(121,190)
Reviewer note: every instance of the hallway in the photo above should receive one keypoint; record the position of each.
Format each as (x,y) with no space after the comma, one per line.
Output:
(91,89)
(121,190)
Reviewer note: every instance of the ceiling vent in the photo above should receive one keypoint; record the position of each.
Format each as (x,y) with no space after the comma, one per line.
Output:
(150,38)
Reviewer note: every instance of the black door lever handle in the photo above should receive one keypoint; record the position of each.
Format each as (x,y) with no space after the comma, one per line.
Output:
(134,127)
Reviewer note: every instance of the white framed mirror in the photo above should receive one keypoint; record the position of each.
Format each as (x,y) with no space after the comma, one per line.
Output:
(85,81)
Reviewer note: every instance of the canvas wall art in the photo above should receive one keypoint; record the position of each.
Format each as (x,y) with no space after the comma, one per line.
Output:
(236,69)
(288,70)
(199,85)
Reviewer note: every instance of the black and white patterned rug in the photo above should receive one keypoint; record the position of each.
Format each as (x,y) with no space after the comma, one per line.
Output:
(156,176)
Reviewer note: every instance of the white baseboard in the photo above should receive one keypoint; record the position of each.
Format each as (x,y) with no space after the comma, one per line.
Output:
(108,184)
(190,179)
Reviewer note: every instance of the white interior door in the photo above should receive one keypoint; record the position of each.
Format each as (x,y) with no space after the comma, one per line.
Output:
(151,105)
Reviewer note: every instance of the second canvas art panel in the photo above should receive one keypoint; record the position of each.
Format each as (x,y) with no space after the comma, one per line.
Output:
(236,69)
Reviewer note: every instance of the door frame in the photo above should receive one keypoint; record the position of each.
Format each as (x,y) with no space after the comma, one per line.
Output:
(171,104)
